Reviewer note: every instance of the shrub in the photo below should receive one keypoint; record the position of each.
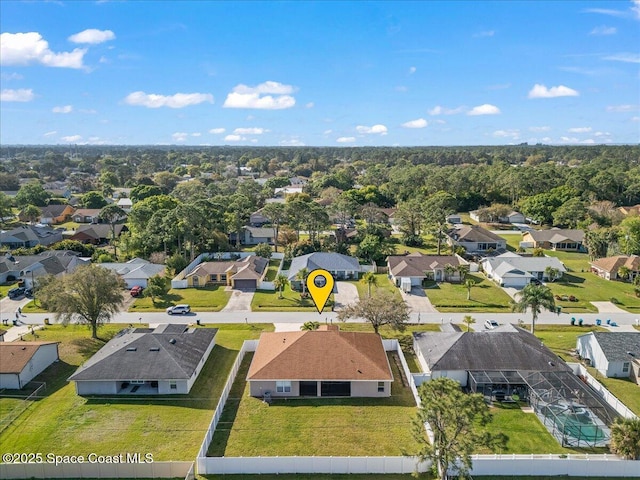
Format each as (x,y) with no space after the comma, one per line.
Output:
(614,300)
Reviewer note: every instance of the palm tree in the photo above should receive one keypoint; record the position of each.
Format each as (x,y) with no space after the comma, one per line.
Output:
(302,275)
(462,270)
(448,271)
(469,283)
(369,279)
(624,272)
(280,282)
(310,326)
(468,320)
(552,273)
(625,438)
(534,297)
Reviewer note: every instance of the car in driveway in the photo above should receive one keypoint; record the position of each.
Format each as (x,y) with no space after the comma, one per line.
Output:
(15,292)
(179,310)
(491,324)
(136,291)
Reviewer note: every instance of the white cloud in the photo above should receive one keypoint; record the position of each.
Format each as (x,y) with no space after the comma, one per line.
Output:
(346,139)
(418,123)
(635,119)
(579,130)
(601,134)
(63,109)
(636,8)
(217,131)
(622,108)
(179,100)
(92,36)
(412,70)
(624,57)
(604,30)
(375,129)
(438,110)
(29,48)
(267,96)
(72,138)
(569,139)
(48,134)
(88,111)
(250,131)
(485,109)
(487,33)
(310,105)
(607,11)
(293,142)
(588,141)
(20,95)
(540,129)
(541,91)
(514,134)
(196,134)
(11,76)
(327,132)
(234,138)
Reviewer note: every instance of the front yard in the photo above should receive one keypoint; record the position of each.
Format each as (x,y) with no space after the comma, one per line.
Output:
(383,283)
(205,299)
(486,296)
(170,427)
(268,301)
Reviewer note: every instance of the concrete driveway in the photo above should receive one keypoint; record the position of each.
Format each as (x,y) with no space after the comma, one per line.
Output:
(346,293)
(240,301)
(607,307)
(418,301)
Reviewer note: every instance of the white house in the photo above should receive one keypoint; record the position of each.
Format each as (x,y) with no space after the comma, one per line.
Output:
(23,361)
(135,272)
(512,270)
(613,354)
(513,217)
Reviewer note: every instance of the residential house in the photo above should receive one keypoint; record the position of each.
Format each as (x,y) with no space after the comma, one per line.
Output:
(255,235)
(389,215)
(609,267)
(257,219)
(320,363)
(164,360)
(513,217)
(613,354)
(51,214)
(475,239)
(30,267)
(513,270)
(23,361)
(125,204)
(454,219)
(246,273)
(97,234)
(417,267)
(27,236)
(86,215)
(283,192)
(136,272)
(342,267)
(555,239)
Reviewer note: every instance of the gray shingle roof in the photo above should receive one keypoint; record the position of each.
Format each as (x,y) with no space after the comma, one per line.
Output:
(557,235)
(332,262)
(616,345)
(487,350)
(474,233)
(167,353)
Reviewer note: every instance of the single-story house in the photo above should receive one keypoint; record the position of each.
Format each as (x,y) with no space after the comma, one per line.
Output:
(98,233)
(29,267)
(609,267)
(257,219)
(418,267)
(28,236)
(613,354)
(51,214)
(86,215)
(474,238)
(125,204)
(286,191)
(135,272)
(512,270)
(513,217)
(454,218)
(507,348)
(255,235)
(246,273)
(341,266)
(320,363)
(23,361)
(555,239)
(147,361)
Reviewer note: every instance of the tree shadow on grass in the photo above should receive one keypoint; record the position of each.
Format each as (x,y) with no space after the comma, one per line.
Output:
(568,280)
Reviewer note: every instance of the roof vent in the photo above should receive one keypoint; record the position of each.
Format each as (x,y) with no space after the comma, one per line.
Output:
(172,341)
(631,353)
(551,364)
(132,349)
(154,349)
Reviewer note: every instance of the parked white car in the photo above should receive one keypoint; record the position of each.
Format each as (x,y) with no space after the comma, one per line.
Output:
(491,324)
(179,310)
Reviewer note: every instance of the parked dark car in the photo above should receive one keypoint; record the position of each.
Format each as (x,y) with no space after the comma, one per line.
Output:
(136,291)
(15,292)
(28,292)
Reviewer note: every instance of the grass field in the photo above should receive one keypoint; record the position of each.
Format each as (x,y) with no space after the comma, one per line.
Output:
(486,296)
(5,287)
(169,427)
(268,301)
(272,270)
(624,390)
(384,283)
(205,299)
(561,339)
(317,426)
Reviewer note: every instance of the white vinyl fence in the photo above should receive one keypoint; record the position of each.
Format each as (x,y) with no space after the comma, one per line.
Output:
(98,470)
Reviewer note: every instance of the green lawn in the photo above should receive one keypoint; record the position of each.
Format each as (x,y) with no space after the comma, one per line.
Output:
(384,283)
(69,225)
(268,301)
(5,287)
(561,339)
(204,299)
(272,270)
(624,390)
(486,296)
(171,427)
(318,426)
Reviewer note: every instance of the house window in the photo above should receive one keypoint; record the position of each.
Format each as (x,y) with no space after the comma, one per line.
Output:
(625,367)
(223,277)
(283,387)
(380,387)
(173,385)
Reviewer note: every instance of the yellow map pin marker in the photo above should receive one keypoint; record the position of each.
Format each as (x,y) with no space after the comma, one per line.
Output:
(320,285)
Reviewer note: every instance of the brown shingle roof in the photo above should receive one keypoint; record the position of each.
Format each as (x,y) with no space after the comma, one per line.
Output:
(612,264)
(474,233)
(320,355)
(414,265)
(16,355)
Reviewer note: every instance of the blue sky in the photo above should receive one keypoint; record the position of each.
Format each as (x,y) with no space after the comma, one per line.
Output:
(320,73)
